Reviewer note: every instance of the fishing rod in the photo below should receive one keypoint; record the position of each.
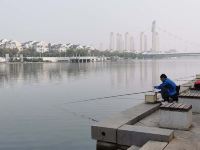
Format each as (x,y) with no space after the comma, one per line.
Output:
(184,80)
(132,98)
(184,77)
(120,95)
(106,97)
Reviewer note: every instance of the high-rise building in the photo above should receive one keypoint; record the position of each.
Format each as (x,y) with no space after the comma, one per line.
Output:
(157,42)
(154,36)
(118,42)
(145,43)
(132,46)
(141,42)
(126,41)
(121,41)
(101,46)
(111,46)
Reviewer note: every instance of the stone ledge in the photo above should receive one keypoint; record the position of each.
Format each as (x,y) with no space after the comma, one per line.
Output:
(107,130)
(139,135)
(154,145)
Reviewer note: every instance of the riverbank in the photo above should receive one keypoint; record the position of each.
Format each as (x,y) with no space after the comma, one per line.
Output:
(133,128)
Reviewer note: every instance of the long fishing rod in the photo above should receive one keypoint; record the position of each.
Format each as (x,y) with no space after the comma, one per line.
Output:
(184,77)
(120,95)
(184,80)
(106,97)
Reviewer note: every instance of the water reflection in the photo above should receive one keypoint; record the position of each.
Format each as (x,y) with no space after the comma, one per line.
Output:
(40,72)
(122,74)
(155,72)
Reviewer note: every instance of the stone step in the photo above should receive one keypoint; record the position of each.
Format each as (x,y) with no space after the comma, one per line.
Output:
(139,135)
(154,145)
(107,130)
(133,147)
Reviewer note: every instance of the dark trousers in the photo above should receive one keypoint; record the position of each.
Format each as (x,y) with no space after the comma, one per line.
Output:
(167,97)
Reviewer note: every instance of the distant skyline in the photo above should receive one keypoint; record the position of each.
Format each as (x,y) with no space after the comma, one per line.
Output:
(90,22)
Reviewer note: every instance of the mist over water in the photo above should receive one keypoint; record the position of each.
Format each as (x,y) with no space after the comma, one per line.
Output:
(34,108)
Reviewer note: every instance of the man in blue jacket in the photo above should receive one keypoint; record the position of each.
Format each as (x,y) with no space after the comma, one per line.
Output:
(168,89)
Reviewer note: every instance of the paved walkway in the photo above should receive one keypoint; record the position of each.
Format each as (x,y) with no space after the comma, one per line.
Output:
(183,140)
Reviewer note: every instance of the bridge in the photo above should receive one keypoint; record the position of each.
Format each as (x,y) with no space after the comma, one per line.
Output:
(162,55)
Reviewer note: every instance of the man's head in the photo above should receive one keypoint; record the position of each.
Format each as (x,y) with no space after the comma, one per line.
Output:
(163,77)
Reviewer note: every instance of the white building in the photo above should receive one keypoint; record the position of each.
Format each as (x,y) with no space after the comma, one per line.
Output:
(89,47)
(28,45)
(12,44)
(3,41)
(41,46)
(59,47)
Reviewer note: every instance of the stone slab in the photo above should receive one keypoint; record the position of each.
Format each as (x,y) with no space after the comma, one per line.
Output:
(133,147)
(194,102)
(176,107)
(154,145)
(107,130)
(139,135)
(175,119)
(183,144)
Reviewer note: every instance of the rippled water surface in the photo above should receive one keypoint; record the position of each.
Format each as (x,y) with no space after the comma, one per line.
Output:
(35,113)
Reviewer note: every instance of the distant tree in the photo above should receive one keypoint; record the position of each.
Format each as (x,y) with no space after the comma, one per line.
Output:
(30,52)
(70,52)
(11,52)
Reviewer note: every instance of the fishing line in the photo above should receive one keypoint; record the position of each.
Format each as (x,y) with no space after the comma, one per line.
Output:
(77,114)
(131,98)
(106,97)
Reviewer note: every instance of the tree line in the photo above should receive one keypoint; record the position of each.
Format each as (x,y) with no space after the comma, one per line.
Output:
(68,53)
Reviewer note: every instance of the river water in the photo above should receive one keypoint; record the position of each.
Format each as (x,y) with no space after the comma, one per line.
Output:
(35,113)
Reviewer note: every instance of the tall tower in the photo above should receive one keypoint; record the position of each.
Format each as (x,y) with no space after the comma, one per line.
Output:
(101,46)
(118,42)
(121,43)
(111,41)
(141,41)
(145,42)
(132,46)
(157,42)
(153,36)
(126,41)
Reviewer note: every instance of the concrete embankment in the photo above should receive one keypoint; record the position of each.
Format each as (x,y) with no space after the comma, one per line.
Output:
(154,126)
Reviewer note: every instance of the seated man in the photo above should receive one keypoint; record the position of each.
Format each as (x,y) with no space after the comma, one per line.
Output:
(168,89)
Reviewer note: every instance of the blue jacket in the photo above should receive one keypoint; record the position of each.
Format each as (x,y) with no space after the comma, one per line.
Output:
(169,85)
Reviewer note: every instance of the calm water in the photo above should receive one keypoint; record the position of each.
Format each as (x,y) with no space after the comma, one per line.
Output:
(34,114)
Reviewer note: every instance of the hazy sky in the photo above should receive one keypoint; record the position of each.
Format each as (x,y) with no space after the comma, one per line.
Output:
(91,21)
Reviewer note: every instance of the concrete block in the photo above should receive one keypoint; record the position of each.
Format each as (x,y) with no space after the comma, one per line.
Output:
(133,147)
(175,119)
(139,135)
(104,133)
(192,101)
(154,145)
(107,130)
(151,97)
